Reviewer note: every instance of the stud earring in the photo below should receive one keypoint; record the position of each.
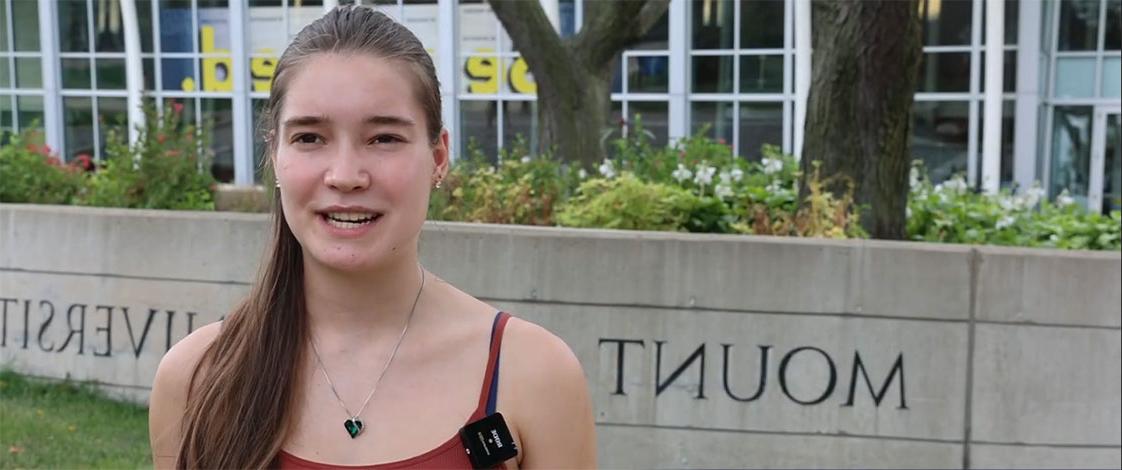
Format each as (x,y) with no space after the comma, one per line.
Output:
(278,184)
(438,184)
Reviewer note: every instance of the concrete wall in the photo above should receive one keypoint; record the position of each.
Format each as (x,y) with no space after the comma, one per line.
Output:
(701,350)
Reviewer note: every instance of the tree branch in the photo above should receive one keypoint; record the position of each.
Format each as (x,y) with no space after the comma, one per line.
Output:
(532,33)
(612,25)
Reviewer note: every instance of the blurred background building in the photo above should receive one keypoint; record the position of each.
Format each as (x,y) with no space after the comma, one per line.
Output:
(726,67)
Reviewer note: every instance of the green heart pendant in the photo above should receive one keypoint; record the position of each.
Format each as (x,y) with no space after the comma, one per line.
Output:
(353,427)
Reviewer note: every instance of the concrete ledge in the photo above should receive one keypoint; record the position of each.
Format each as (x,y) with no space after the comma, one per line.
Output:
(701,350)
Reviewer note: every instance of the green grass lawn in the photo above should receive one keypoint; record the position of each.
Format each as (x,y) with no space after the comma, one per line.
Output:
(64,425)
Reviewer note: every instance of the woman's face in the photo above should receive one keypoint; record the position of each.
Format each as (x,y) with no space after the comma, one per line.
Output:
(354,161)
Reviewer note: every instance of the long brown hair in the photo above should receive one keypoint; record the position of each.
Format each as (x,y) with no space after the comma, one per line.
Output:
(238,411)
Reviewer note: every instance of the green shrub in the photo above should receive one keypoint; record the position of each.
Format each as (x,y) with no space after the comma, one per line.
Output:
(30,173)
(628,203)
(167,168)
(952,213)
(520,190)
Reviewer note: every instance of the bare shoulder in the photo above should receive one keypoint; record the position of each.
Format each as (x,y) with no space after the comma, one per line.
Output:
(548,399)
(170,391)
(177,365)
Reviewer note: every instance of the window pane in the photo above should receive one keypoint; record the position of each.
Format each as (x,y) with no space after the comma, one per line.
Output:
(1075,77)
(520,118)
(77,115)
(517,77)
(712,24)
(177,75)
(25,25)
(1007,129)
(648,74)
(946,22)
(761,74)
(3,34)
(479,127)
(944,72)
(144,18)
(175,26)
(939,137)
(220,113)
(29,73)
(76,74)
(1071,151)
(717,117)
(214,29)
(5,73)
(760,123)
(1112,76)
(110,74)
(6,121)
(1112,165)
(712,74)
(1079,25)
(111,114)
(73,23)
(109,35)
(149,74)
(761,24)
(657,38)
(30,111)
(654,118)
(1113,22)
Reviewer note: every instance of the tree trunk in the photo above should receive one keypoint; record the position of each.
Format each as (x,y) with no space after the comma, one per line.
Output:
(865,64)
(574,114)
(574,74)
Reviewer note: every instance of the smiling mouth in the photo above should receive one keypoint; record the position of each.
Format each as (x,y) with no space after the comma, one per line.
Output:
(350,220)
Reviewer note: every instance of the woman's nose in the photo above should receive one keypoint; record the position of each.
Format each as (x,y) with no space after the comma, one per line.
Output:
(346,174)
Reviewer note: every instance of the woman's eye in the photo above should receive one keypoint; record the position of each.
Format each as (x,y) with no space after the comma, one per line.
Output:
(306,139)
(386,139)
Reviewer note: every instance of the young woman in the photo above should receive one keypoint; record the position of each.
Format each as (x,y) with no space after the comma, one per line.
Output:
(346,351)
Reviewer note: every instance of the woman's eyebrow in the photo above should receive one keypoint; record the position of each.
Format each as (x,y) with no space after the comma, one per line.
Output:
(306,121)
(389,120)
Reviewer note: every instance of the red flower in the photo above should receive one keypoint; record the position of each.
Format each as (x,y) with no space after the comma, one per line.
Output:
(177,107)
(83,161)
(161,138)
(53,161)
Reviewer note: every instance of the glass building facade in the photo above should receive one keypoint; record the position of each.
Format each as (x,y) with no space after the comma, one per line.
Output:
(722,67)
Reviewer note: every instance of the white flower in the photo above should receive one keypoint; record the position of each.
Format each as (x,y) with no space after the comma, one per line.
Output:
(704,175)
(682,173)
(955,185)
(723,190)
(1005,221)
(737,174)
(773,187)
(526,159)
(1008,203)
(772,165)
(913,178)
(582,174)
(1031,196)
(608,169)
(1064,199)
(725,177)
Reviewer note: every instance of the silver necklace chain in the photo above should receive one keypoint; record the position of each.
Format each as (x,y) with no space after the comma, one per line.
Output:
(393,354)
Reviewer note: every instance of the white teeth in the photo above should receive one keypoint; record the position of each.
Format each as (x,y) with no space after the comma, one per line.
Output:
(350,216)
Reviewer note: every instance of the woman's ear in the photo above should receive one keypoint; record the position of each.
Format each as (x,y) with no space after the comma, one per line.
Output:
(441,156)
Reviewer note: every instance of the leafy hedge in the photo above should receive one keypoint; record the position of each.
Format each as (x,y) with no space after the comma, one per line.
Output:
(695,185)
(167,168)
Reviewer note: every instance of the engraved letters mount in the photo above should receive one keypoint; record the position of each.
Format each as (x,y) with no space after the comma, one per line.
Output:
(859,375)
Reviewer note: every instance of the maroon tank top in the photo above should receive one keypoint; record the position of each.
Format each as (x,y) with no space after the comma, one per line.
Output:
(448,455)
